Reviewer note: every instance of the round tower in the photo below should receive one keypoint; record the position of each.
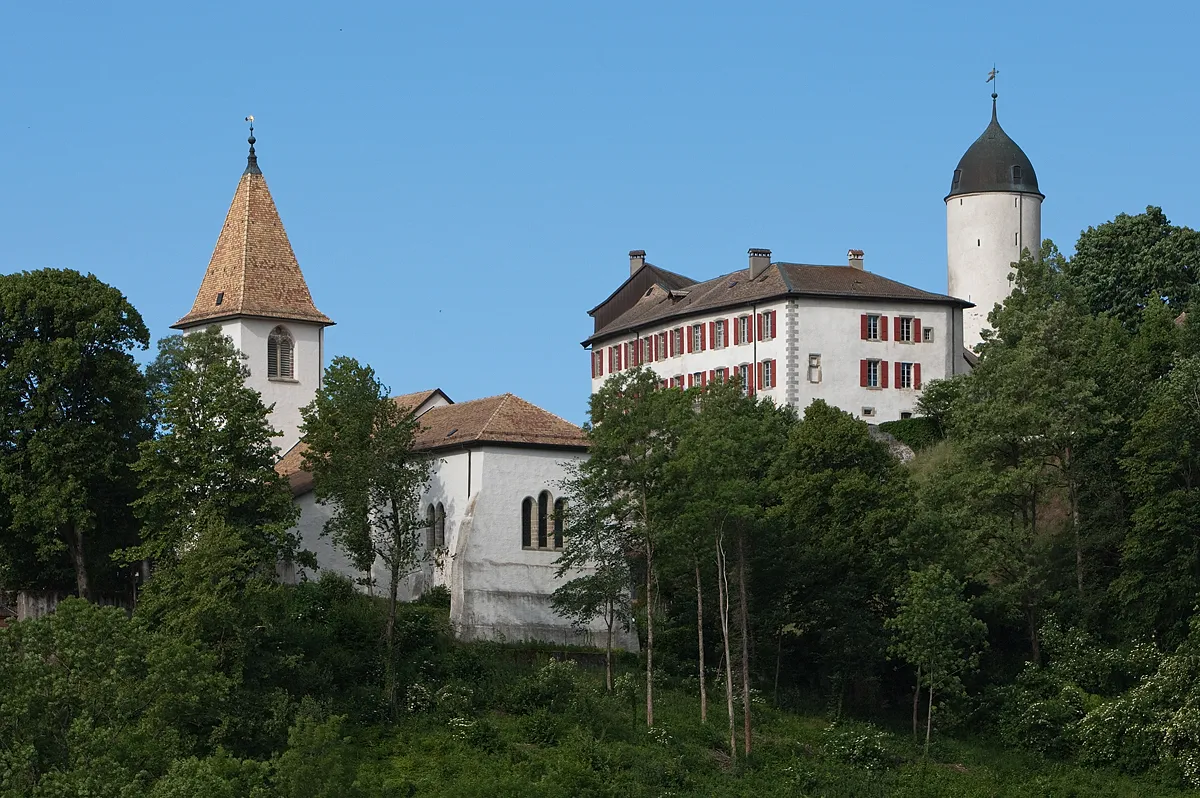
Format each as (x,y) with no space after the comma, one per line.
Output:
(993,212)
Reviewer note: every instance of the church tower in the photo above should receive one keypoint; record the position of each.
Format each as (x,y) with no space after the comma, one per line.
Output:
(993,212)
(254,291)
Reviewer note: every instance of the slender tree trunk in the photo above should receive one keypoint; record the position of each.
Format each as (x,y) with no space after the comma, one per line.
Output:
(649,633)
(700,642)
(929,713)
(778,663)
(75,549)
(608,674)
(744,623)
(723,611)
(916,701)
(1034,644)
(389,673)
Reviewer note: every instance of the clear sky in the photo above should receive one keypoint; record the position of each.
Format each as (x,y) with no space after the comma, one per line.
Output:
(462,181)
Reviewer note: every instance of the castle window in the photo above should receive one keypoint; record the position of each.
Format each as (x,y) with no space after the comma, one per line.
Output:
(957,177)
(872,327)
(560,521)
(439,534)
(527,522)
(814,368)
(906,375)
(868,412)
(1016,174)
(927,335)
(220,297)
(430,521)
(280,348)
(905,329)
(543,518)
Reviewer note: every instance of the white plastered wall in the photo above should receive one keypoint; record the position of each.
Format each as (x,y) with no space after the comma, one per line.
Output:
(985,234)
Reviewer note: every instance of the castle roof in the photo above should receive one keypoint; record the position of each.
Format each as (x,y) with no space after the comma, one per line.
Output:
(506,419)
(658,306)
(253,270)
(994,163)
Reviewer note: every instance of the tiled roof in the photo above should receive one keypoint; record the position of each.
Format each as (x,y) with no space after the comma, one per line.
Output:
(411,401)
(253,270)
(666,279)
(779,280)
(504,419)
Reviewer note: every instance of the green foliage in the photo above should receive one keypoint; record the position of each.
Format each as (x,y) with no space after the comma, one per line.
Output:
(1124,264)
(916,433)
(212,460)
(72,411)
(95,704)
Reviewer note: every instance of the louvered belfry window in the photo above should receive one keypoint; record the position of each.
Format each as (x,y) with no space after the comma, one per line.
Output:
(280,357)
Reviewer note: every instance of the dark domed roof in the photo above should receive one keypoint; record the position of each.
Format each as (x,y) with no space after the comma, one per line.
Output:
(994,163)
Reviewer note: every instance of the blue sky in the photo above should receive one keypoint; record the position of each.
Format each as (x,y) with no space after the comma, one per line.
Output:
(462,181)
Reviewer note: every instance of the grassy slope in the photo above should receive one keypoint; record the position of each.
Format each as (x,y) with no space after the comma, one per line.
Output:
(593,748)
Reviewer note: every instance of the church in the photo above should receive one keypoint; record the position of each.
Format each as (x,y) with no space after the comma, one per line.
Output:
(792,332)
(795,332)
(493,511)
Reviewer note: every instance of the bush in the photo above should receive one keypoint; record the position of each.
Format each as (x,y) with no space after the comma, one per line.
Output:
(860,745)
(915,433)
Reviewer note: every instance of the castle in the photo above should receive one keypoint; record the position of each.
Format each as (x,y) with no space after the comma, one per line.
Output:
(792,332)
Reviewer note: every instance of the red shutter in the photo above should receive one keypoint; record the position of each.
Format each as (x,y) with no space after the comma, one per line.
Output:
(862,370)
(760,385)
(671,343)
(918,336)
(864,330)
(689,380)
(883,328)
(688,332)
(712,376)
(774,371)
(610,360)
(712,335)
(896,324)
(760,335)
(774,324)
(736,340)
(883,374)
(666,383)
(916,375)
(898,380)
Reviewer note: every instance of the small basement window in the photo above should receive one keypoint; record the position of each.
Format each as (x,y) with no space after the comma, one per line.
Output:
(868,412)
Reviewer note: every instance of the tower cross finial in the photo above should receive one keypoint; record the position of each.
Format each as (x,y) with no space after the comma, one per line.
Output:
(252,158)
(991,78)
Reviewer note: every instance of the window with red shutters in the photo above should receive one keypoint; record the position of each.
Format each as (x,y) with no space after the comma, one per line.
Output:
(883,331)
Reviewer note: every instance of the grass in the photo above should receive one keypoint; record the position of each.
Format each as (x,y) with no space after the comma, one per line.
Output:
(585,743)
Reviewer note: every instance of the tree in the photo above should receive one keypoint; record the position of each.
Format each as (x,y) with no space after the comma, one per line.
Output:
(1160,555)
(1122,265)
(595,559)
(935,633)
(632,435)
(212,459)
(362,458)
(842,508)
(96,704)
(72,412)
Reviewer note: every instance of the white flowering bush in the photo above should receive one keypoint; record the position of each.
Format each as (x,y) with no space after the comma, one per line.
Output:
(420,698)
(860,745)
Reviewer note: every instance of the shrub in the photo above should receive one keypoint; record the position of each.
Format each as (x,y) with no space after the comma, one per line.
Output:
(860,745)
(916,433)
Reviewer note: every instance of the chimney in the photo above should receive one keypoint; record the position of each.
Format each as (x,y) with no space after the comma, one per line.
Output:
(637,259)
(855,256)
(760,259)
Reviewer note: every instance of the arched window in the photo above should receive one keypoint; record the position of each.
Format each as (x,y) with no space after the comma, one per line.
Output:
(560,521)
(1016,174)
(280,348)
(543,517)
(439,536)
(527,522)
(430,521)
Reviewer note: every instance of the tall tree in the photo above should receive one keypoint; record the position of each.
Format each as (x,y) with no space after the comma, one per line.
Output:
(936,633)
(1122,265)
(72,412)
(363,462)
(633,433)
(212,459)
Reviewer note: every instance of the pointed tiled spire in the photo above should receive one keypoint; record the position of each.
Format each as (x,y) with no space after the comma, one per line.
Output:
(253,270)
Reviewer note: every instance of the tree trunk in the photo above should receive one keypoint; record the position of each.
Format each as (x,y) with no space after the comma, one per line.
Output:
(916,701)
(744,623)
(75,548)
(608,674)
(929,714)
(700,642)
(389,673)
(1034,643)
(723,612)
(649,633)
(778,663)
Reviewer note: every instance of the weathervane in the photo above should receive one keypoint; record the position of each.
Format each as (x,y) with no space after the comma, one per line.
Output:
(991,79)
(251,159)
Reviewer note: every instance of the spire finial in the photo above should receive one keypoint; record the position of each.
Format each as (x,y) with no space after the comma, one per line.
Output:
(251,159)
(991,78)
